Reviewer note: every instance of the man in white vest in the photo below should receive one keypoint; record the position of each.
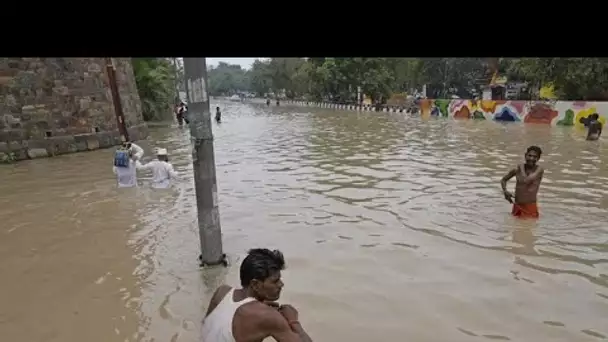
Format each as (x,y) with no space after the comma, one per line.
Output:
(251,312)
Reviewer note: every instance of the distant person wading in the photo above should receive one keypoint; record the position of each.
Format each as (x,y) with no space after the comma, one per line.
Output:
(181,113)
(594,127)
(218,115)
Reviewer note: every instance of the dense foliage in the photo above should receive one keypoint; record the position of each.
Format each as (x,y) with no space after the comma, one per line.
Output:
(572,78)
(337,79)
(226,79)
(156,84)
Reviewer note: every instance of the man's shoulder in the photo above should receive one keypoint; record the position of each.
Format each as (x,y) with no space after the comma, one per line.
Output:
(260,312)
(220,293)
(222,290)
(536,168)
(217,297)
(258,319)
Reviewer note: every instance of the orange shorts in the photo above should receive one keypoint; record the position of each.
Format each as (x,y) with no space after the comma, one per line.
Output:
(528,210)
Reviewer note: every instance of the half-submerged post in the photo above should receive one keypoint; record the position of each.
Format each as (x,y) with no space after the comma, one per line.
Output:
(203,160)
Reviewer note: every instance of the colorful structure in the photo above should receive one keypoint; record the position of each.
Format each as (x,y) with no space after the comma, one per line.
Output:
(562,113)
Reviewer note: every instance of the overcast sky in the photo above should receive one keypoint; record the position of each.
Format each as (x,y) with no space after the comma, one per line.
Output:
(243,62)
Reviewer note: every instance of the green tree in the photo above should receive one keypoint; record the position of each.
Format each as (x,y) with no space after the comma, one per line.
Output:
(282,71)
(226,79)
(318,77)
(572,78)
(337,79)
(461,75)
(155,79)
(407,72)
(377,78)
(260,80)
(301,80)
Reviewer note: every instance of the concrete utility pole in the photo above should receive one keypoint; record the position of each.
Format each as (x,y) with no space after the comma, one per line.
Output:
(203,160)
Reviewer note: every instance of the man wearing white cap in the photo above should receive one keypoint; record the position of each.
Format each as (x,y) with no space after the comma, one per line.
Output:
(162,170)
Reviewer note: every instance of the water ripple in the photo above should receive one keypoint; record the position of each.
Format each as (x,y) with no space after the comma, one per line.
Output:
(387,188)
(390,220)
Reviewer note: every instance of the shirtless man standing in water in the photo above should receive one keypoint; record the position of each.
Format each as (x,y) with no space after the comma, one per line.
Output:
(250,314)
(528,178)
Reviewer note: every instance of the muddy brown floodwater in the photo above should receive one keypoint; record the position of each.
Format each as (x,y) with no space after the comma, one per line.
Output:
(394,229)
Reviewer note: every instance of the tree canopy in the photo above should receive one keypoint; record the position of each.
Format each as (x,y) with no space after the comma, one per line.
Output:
(338,78)
(572,78)
(155,79)
(227,79)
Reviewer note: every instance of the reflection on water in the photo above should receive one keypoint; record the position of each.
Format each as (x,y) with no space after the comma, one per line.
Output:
(392,226)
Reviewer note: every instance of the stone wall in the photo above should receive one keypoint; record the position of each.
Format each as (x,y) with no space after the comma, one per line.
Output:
(52,106)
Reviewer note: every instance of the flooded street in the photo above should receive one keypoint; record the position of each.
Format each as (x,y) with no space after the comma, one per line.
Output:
(394,229)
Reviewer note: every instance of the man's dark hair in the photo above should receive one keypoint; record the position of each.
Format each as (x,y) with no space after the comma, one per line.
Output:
(594,116)
(535,149)
(261,263)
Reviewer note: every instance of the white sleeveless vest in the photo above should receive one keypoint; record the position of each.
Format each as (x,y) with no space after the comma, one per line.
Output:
(217,327)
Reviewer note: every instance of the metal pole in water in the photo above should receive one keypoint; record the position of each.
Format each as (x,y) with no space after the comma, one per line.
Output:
(203,161)
(120,116)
